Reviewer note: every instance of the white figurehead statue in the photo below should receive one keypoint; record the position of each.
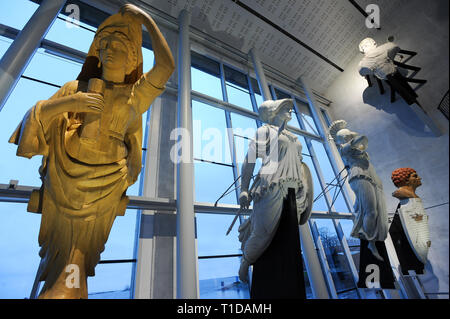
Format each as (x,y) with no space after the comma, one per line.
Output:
(412,214)
(282,168)
(371,220)
(378,59)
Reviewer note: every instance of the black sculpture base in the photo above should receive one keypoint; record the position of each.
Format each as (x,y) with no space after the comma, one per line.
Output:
(278,273)
(406,256)
(366,267)
(400,84)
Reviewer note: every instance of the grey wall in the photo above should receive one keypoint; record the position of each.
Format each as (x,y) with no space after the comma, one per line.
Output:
(397,138)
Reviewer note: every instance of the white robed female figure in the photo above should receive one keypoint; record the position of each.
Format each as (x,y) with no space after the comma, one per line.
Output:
(282,168)
(371,220)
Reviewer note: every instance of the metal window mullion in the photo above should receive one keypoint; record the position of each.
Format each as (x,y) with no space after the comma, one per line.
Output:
(272,91)
(253,100)
(186,259)
(323,259)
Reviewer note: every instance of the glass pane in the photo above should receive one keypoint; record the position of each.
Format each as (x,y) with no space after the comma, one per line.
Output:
(134,189)
(149,59)
(52,69)
(353,243)
(255,86)
(319,202)
(218,279)
(281,95)
(205,64)
(347,226)
(259,99)
(310,126)
(210,133)
(24,96)
(256,91)
(241,151)
(305,151)
(239,97)
(243,126)
(19,250)
(237,88)
(121,240)
(211,230)
(326,117)
(328,174)
(308,289)
(340,271)
(306,117)
(206,83)
(111,281)
(244,129)
(211,181)
(70,35)
(16,13)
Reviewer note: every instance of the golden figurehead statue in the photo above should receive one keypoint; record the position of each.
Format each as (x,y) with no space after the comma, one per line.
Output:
(90,135)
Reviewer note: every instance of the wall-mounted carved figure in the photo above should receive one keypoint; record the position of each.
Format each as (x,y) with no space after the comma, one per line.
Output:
(409,228)
(371,220)
(379,61)
(90,135)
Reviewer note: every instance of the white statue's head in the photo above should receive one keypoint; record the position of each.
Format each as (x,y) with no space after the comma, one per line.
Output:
(340,133)
(366,45)
(345,136)
(274,112)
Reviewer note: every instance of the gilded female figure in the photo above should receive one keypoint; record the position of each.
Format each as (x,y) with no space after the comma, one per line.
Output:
(90,134)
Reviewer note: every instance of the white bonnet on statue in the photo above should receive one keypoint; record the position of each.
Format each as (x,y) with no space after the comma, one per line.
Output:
(367,42)
(270,108)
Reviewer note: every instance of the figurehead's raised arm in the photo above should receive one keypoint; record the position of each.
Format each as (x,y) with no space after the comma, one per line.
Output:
(164,62)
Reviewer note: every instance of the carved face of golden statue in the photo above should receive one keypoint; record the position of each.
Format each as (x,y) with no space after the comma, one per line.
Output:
(113,52)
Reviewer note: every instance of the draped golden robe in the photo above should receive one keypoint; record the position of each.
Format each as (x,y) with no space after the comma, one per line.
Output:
(84,182)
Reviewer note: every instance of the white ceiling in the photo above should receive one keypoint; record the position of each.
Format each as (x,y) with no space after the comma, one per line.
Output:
(333,28)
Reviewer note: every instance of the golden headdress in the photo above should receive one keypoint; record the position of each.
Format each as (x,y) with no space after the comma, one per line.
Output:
(128,29)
